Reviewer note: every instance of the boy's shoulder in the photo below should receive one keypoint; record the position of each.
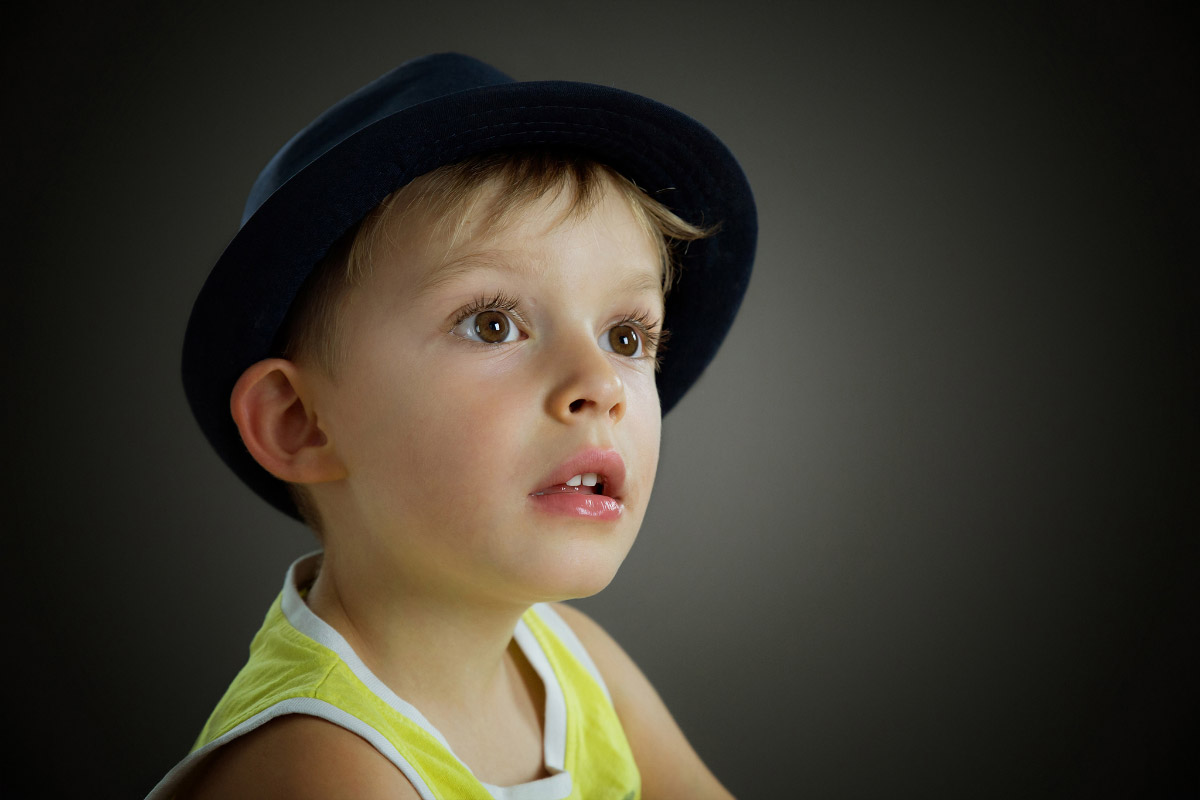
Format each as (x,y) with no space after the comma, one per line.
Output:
(668,764)
(297,756)
(300,756)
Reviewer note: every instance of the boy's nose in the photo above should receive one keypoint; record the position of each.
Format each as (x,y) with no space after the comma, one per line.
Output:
(588,386)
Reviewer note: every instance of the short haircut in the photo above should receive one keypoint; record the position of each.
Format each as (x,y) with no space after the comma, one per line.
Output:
(447,197)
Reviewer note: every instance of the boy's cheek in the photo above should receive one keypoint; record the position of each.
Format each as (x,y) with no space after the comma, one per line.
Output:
(641,397)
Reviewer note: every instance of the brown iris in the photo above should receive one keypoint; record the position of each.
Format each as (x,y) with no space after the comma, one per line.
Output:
(624,340)
(492,326)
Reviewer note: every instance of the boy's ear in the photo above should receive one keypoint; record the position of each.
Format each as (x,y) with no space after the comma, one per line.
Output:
(279,428)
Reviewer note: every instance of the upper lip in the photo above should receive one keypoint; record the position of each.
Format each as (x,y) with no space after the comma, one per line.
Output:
(607,464)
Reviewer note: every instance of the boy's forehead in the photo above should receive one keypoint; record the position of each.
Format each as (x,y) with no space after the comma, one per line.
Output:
(431,251)
(632,277)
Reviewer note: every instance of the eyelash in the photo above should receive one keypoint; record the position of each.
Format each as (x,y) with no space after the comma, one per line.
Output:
(648,327)
(652,332)
(498,302)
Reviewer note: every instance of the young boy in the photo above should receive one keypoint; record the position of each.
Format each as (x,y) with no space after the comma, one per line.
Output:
(438,338)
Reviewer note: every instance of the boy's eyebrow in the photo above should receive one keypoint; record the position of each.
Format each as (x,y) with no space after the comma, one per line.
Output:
(639,282)
(455,268)
(636,282)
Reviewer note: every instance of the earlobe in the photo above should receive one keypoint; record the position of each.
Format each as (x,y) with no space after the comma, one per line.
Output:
(279,428)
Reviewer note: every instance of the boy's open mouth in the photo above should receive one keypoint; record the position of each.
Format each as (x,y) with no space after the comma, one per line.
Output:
(586,483)
(592,471)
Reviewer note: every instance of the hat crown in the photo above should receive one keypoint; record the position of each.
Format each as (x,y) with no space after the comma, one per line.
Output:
(410,84)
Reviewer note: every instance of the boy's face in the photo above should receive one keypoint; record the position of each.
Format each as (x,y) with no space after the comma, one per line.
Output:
(481,374)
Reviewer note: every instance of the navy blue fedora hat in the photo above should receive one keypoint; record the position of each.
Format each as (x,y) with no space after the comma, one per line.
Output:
(422,115)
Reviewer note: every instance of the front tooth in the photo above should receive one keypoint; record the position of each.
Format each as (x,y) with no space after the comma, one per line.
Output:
(577,480)
(589,479)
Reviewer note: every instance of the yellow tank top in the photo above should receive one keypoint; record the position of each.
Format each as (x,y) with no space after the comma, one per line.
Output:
(300,665)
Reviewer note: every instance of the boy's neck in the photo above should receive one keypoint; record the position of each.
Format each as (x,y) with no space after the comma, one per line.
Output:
(435,650)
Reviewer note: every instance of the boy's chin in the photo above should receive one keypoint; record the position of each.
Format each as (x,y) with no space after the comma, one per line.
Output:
(589,589)
(575,583)
(577,566)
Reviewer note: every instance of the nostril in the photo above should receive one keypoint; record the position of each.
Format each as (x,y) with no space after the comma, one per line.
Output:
(576,405)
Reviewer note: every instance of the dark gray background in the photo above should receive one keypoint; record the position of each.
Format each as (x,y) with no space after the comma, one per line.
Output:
(926,528)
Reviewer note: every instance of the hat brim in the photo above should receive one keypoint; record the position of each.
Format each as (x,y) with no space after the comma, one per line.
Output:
(238,314)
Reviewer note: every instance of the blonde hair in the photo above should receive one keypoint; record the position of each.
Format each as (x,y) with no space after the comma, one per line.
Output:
(447,198)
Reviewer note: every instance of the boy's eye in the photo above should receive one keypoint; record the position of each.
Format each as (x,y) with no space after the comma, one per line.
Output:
(492,327)
(624,340)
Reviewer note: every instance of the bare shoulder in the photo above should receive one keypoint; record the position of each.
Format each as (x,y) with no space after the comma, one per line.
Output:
(297,756)
(669,765)
(625,681)
(587,629)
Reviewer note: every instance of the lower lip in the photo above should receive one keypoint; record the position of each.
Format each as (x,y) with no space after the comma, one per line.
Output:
(588,506)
